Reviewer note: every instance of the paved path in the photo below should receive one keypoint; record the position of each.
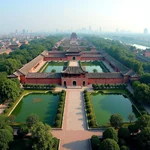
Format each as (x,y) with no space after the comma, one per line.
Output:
(74,135)
(73,63)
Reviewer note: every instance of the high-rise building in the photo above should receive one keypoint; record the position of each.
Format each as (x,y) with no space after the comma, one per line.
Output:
(23,31)
(100,30)
(145,31)
(90,29)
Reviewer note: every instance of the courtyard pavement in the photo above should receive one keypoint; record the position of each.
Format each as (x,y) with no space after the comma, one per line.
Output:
(74,135)
(73,63)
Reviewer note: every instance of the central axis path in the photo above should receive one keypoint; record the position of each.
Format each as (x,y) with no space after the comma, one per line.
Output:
(74,135)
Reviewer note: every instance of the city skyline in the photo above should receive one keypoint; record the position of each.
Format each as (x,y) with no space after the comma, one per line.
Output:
(47,16)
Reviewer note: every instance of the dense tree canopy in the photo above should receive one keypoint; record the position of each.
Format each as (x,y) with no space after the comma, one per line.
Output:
(123,133)
(144,139)
(143,121)
(5,138)
(141,92)
(119,51)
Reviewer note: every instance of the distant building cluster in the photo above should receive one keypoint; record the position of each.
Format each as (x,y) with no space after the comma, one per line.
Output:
(13,41)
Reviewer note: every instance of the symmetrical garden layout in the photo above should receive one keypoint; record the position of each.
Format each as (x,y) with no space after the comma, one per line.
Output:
(76,69)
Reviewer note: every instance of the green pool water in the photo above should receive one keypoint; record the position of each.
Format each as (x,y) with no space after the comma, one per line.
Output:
(90,68)
(44,105)
(49,68)
(106,105)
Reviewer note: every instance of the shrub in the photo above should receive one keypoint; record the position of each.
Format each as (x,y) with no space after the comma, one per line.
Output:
(6,110)
(123,133)
(90,116)
(124,148)
(59,110)
(88,105)
(62,98)
(22,131)
(58,123)
(58,116)
(109,144)
(121,142)
(10,104)
(89,110)
(110,133)
(85,91)
(92,123)
(95,142)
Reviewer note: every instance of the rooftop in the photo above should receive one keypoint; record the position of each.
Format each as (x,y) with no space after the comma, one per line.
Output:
(105,75)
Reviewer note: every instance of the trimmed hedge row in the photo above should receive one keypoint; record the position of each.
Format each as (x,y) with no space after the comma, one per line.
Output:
(89,110)
(60,109)
(108,86)
(39,86)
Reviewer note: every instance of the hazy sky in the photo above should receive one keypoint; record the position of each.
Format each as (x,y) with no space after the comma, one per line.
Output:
(47,15)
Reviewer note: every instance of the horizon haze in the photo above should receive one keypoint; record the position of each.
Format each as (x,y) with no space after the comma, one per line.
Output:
(49,15)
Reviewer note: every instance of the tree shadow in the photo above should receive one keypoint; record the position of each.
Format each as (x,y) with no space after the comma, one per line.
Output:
(77,145)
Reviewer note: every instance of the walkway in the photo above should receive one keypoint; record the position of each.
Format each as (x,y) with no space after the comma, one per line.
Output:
(75,135)
(73,63)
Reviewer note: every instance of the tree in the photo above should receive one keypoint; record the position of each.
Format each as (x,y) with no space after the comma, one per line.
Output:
(41,136)
(133,128)
(11,118)
(109,144)
(131,117)
(144,139)
(32,119)
(143,121)
(116,120)
(9,90)
(95,70)
(60,48)
(3,122)
(123,133)
(22,131)
(124,148)
(95,142)
(53,70)
(110,133)
(5,138)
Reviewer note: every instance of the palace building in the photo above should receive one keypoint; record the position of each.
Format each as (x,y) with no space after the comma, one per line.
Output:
(74,75)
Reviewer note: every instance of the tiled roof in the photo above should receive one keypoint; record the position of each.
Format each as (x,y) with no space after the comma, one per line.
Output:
(123,69)
(74,70)
(26,68)
(143,58)
(105,75)
(43,75)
